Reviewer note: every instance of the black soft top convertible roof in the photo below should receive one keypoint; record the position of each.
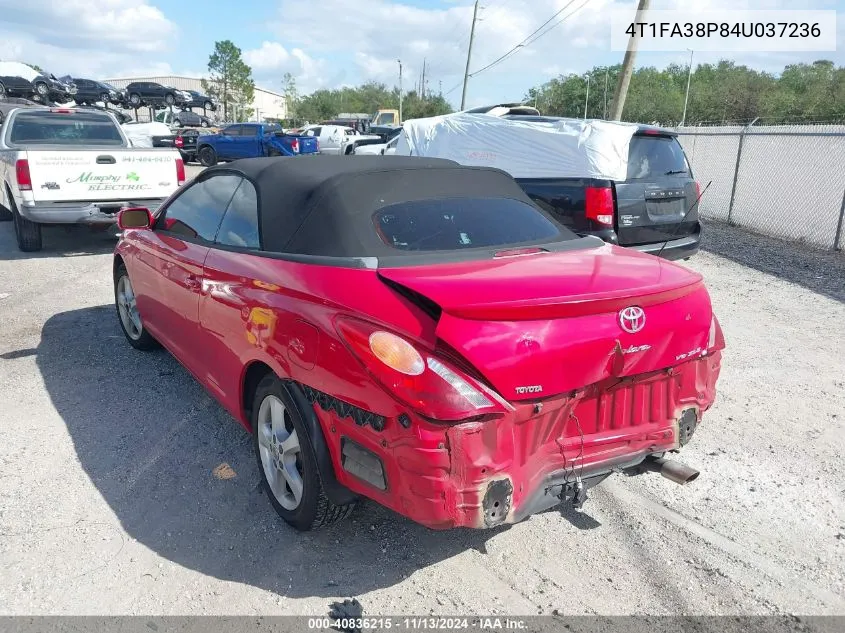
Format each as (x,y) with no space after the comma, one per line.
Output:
(324,205)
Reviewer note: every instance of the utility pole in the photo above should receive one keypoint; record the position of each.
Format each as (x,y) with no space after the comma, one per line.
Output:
(686,96)
(422,82)
(441,87)
(624,81)
(469,54)
(587,98)
(400,90)
(606,70)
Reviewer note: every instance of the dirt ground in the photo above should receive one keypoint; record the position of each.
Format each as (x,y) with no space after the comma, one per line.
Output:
(112,500)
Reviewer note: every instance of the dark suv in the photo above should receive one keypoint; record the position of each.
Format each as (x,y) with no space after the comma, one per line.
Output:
(199,100)
(90,91)
(651,210)
(150,93)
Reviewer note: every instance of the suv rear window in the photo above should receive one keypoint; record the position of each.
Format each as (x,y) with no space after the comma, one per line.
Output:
(651,156)
(450,224)
(42,127)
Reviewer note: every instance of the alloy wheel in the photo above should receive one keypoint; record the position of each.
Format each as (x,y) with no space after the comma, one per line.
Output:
(128,309)
(281,454)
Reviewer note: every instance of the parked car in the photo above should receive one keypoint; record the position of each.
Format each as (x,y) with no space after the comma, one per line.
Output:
(91,92)
(150,93)
(183,118)
(333,138)
(186,143)
(199,100)
(378,148)
(117,114)
(394,328)
(21,80)
(649,203)
(250,140)
(72,166)
(149,134)
(352,138)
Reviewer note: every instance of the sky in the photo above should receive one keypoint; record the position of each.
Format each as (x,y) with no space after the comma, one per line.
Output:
(334,43)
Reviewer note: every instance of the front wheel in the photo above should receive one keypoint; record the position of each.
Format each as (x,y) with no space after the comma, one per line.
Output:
(105,97)
(208,105)
(42,89)
(287,461)
(127,312)
(207,156)
(169,99)
(135,99)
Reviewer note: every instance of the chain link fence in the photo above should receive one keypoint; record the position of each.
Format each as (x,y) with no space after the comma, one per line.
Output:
(782,181)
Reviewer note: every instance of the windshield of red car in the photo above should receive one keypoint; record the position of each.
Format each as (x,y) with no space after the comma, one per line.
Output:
(451,224)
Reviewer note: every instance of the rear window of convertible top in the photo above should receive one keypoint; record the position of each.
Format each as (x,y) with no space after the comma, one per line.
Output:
(450,224)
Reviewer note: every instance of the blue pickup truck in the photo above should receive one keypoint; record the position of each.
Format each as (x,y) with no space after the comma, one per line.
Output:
(251,140)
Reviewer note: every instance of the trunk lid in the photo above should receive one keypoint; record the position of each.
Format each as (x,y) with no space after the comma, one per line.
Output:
(101,174)
(653,201)
(545,324)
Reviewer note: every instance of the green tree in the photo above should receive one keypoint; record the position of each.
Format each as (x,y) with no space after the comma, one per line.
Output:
(291,95)
(230,80)
(367,98)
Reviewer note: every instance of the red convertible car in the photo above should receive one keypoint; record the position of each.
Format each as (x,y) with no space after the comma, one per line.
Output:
(418,333)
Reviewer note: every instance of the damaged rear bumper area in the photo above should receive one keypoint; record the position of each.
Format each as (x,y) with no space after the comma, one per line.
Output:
(547,453)
(488,472)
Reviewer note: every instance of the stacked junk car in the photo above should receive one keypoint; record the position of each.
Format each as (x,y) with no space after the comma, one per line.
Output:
(422,333)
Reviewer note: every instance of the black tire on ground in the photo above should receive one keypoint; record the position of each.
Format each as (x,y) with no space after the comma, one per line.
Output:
(2,91)
(135,99)
(273,152)
(169,99)
(144,342)
(28,234)
(207,156)
(315,510)
(5,214)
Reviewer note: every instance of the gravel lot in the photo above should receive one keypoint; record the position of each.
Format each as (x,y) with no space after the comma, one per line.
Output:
(109,504)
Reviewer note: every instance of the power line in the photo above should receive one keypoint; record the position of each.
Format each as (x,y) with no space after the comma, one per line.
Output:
(536,35)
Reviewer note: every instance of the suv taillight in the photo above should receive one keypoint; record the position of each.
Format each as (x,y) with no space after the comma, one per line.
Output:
(697,190)
(294,146)
(22,175)
(599,205)
(180,172)
(179,142)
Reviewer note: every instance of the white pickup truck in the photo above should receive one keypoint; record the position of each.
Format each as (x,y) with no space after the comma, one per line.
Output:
(69,166)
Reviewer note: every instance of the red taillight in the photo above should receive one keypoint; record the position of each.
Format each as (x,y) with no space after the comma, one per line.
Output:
(22,175)
(180,172)
(697,190)
(427,384)
(294,146)
(62,110)
(179,143)
(716,338)
(599,205)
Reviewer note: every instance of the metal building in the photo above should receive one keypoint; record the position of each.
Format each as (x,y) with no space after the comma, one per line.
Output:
(266,104)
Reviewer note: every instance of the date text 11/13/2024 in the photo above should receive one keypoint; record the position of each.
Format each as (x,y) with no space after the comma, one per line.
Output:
(433,623)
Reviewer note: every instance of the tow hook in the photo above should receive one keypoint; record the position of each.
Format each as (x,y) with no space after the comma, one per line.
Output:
(673,471)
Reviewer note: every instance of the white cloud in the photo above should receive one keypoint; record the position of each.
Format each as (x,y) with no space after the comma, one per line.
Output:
(272,60)
(104,25)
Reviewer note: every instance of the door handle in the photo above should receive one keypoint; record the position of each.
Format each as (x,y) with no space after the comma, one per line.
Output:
(192,282)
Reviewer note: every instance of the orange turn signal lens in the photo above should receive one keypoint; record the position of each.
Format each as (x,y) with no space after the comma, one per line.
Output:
(396,353)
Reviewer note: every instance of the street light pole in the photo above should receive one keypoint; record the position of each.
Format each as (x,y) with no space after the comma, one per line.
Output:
(686,96)
(400,90)
(587,98)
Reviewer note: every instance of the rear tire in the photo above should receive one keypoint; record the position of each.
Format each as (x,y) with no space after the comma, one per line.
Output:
(132,325)
(284,449)
(27,233)
(2,91)
(207,156)
(135,100)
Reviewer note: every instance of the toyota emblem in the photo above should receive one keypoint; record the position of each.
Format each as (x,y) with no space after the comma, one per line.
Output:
(632,319)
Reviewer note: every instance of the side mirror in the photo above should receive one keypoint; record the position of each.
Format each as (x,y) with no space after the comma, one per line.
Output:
(134,218)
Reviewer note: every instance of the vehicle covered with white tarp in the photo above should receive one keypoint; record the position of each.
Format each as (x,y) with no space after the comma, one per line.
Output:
(538,148)
(626,183)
